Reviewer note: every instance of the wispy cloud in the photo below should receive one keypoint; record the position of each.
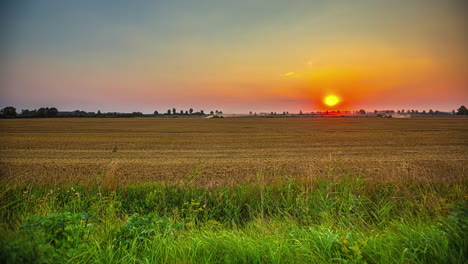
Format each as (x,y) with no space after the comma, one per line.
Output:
(288,74)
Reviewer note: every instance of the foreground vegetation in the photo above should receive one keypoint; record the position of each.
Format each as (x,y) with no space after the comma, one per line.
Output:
(347,218)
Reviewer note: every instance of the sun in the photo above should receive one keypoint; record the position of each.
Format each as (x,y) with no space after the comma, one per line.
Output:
(331,100)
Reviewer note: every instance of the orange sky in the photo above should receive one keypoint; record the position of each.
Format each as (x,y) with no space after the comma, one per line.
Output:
(239,57)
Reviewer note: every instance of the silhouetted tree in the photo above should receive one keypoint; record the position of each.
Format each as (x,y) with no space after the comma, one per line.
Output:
(168,111)
(190,110)
(462,110)
(202,112)
(173,111)
(250,113)
(424,112)
(300,112)
(9,111)
(52,112)
(431,112)
(26,112)
(186,112)
(362,112)
(42,112)
(156,112)
(181,112)
(211,112)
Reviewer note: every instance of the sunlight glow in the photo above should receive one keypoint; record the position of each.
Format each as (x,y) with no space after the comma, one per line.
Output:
(331,100)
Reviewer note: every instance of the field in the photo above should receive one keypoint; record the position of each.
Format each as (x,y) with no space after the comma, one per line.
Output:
(234,190)
(229,151)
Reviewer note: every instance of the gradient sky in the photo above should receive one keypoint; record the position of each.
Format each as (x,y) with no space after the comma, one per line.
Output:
(236,56)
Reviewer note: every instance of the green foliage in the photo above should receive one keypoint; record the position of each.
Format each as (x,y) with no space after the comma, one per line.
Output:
(62,229)
(141,228)
(344,220)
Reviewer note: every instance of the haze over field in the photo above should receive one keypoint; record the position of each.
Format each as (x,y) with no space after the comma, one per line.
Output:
(234,55)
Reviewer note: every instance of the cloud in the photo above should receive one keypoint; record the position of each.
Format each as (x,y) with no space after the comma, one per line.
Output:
(288,74)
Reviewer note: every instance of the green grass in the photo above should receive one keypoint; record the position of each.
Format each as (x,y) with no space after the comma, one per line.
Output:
(345,219)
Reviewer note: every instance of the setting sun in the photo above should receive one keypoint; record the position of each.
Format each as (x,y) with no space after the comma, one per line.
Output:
(331,100)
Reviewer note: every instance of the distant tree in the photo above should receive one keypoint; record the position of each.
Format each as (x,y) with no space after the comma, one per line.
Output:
(453,112)
(168,111)
(174,111)
(99,112)
(9,111)
(412,111)
(250,113)
(202,112)
(300,112)
(431,112)
(362,112)
(424,112)
(462,110)
(156,112)
(42,112)
(186,112)
(26,112)
(271,113)
(408,111)
(398,111)
(52,112)
(211,112)
(216,111)
(190,110)
(181,112)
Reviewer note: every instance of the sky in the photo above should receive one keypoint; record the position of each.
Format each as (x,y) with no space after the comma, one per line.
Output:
(235,56)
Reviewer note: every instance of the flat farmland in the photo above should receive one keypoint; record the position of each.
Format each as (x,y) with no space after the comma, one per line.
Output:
(229,151)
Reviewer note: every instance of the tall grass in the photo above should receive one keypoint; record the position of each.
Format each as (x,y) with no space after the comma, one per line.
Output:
(345,219)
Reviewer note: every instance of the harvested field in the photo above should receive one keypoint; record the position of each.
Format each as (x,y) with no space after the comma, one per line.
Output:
(229,151)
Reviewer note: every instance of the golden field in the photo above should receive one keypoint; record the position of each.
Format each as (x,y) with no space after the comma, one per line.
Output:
(216,152)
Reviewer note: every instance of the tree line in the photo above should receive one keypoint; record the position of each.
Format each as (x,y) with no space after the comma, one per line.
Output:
(51,112)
